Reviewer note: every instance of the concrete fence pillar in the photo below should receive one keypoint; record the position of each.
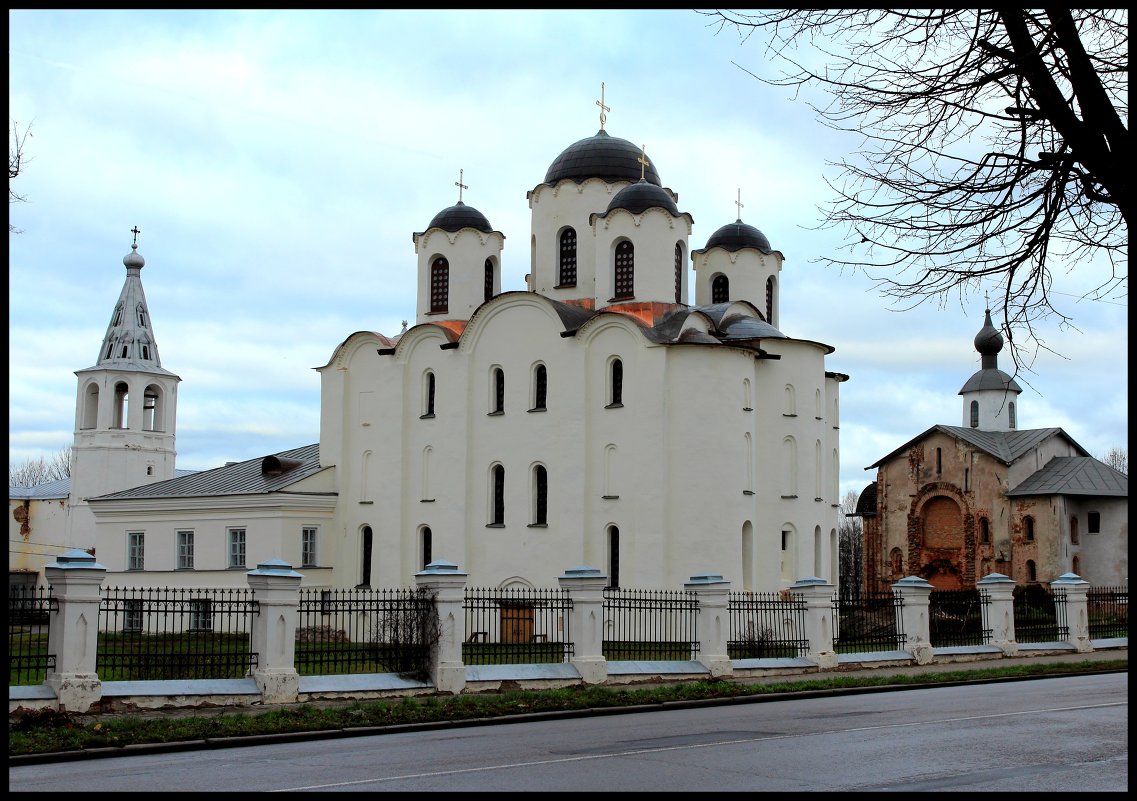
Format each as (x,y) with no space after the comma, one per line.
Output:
(999,611)
(448,585)
(272,634)
(1077,610)
(585,587)
(713,622)
(915,593)
(76,580)
(817,594)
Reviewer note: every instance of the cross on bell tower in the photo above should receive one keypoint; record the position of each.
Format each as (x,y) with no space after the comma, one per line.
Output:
(603,107)
(460,185)
(644,163)
(738,202)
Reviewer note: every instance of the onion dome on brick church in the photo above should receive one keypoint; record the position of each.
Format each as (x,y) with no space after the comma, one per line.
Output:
(460,216)
(738,235)
(641,196)
(601,156)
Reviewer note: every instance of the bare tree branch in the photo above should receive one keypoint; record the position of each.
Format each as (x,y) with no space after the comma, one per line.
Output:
(16,160)
(996,146)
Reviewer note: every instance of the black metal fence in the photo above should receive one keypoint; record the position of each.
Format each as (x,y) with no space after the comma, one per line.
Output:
(870,623)
(765,625)
(1107,610)
(30,611)
(517,625)
(365,631)
(1040,614)
(153,633)
(650,624)
(955,617)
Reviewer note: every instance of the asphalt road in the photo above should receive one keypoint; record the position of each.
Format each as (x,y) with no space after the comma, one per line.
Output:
(1039,735)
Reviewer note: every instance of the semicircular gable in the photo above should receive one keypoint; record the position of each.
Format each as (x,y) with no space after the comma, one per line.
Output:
(422,335)
(350,346)
(606,321)
(504,303)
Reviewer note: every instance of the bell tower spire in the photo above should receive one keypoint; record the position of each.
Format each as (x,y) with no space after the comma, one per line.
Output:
(125,408)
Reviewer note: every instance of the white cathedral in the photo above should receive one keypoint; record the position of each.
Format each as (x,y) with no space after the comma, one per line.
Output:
(592,418)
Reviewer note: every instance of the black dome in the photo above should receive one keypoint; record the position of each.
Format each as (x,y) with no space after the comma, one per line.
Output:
(641,196)
(458,217)
(738,235)
(988,341)
(601,156)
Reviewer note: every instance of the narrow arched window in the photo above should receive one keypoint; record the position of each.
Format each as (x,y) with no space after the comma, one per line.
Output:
(540,387)
(770,300)
(121,405)
(366,542)
(625,271)
(489,279)
(616,384)
(613,556)
(1031,572)
(678,273)
(497,513)
(497,404)
(720,289)
(428,395)
(91,407)
(1011,415)
(1028,528)
(1073,530)
(939,460)
(427,546)
(566,273)
(540,495)
(984,530)
(117,320)
(150,421)
(975,414)
(439,285)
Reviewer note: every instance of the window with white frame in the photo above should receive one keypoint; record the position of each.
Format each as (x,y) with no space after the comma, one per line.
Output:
(132,615)
(201,614)
(185,550)
(308,546)
(236,547)
(136,551)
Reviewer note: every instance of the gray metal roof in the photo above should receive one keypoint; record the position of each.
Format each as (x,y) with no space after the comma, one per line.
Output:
(60,488)
(272,473)
(1074,475)
(1006,446)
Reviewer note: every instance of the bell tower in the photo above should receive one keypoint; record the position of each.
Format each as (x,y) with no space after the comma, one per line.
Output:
(125,408)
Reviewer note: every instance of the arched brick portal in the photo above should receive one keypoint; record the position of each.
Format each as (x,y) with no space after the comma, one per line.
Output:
(941,537)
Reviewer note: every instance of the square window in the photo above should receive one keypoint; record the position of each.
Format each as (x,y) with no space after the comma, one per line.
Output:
(201,614)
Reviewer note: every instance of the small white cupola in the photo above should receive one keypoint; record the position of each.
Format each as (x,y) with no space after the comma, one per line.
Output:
(459,262)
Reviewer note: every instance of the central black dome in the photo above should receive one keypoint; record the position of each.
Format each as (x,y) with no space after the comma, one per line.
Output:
(601,156)
(738,235)
(460,216)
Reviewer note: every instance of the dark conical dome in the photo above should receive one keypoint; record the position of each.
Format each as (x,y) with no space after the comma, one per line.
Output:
(988,341)
(641,196)
(460,216)
(601,156)
(738,235)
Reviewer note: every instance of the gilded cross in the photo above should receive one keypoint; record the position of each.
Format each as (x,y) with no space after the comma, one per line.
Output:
(739,203)
(136,232)
(460,185)
(644,163)
(603,107)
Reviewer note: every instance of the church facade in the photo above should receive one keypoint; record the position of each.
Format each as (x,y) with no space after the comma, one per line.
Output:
(593,417)
(957,503)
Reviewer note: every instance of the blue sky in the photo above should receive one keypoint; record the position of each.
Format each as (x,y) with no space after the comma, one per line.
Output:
(278,162)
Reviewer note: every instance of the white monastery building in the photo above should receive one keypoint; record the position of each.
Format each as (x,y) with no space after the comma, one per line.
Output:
(595,417)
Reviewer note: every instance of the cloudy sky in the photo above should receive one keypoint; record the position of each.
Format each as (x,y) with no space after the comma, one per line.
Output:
(278,162)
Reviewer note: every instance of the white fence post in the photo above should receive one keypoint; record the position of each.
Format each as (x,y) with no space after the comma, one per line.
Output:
(1077,610)
(76,579)
(272,631)
(585,587)
(447,670)
(915,594)
(817,593)
(999,613)
(713,593)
